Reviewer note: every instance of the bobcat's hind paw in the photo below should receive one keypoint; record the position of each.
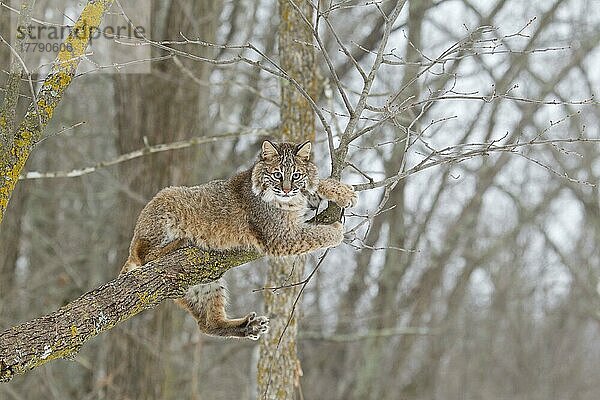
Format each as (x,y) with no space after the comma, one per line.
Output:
(255,326)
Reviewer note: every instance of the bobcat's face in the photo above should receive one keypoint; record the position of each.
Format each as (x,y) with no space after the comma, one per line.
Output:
(283,172)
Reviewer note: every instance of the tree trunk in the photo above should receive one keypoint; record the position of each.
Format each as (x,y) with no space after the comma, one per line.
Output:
(279,368)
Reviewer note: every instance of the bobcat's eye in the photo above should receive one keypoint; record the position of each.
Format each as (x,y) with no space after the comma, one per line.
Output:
(277,175)
(296,175)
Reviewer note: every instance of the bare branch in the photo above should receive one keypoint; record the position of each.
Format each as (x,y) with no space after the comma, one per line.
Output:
(450,155)
(337,163)
(182,144)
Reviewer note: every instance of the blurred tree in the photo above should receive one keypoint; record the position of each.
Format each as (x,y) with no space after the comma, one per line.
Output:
(10,229)
(154,108)
(279,369)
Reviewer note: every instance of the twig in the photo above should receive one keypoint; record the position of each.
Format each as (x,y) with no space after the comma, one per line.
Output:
(142,152)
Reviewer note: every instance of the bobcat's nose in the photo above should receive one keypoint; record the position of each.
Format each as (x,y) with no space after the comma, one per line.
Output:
(286,187)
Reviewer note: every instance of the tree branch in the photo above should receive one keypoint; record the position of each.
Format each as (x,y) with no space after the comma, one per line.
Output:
(181,144)
(61,333)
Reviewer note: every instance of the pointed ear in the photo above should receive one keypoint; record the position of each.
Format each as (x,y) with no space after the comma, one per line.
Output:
(268,150)
(303,150)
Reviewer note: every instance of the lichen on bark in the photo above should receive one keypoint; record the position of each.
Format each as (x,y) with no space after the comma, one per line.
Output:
(62,333)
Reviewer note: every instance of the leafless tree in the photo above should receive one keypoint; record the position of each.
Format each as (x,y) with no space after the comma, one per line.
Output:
(471,131)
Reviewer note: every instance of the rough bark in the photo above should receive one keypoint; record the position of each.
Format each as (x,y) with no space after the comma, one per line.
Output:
(279,370)
(62,333)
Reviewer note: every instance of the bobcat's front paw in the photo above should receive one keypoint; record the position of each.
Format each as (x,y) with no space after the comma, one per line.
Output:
(256,326)
(347,196)
(343,195)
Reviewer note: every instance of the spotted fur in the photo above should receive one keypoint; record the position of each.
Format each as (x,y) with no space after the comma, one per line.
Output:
(261,209)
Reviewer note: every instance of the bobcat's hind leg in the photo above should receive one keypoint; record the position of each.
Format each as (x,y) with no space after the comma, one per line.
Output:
(207,302)
(137,253)
(142,251)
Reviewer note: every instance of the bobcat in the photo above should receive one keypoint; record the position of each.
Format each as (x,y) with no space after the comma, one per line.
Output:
(261,208)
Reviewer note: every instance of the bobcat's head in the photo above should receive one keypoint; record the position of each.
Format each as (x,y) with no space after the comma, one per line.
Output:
(283,172)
